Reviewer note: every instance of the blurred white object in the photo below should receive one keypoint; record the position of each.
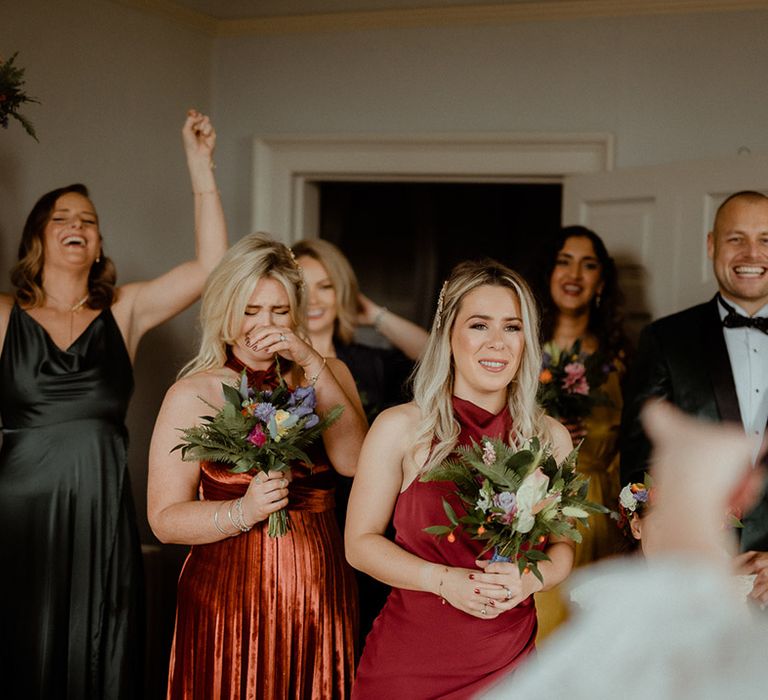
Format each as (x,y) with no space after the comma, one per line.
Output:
(675,628)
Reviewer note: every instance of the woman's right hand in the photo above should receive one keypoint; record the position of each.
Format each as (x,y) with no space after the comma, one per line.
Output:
(199,136)
(266,494)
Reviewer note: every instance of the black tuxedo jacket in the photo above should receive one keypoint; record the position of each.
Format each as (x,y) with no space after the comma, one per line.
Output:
(683,358)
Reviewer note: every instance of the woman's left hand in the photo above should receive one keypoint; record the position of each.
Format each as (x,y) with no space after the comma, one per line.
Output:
(502,585)
(284,342)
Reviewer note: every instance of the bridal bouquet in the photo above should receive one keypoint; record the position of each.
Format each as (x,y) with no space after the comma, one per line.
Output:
(12,96)
(514,499)
(259,430)
(569,381)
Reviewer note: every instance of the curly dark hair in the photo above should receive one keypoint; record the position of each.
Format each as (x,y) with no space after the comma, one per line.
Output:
(605,318)
(27,273)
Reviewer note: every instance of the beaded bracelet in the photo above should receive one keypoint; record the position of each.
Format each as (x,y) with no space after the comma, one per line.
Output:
(239,517)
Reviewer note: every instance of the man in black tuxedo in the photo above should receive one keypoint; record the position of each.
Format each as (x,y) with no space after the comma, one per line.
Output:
(712,360)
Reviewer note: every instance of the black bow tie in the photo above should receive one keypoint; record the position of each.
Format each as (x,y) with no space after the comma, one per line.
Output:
(735,320)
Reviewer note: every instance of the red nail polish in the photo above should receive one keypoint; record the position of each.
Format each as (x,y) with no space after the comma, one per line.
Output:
(492,603)
(471,577)
(477,590)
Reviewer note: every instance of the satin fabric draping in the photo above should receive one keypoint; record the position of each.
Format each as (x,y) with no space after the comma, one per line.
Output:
(267,618)
(420,648)
(71,614)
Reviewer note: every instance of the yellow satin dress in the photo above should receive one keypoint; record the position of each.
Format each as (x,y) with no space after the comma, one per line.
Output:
(598,459)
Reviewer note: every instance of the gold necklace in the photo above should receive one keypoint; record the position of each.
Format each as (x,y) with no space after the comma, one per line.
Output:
(72,311)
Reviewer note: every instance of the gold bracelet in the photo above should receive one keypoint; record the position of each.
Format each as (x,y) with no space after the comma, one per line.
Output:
(313,380)
(440,585)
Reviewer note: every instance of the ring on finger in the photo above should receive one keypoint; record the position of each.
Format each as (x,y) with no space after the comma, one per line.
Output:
(483,611)
(509,594)
(282,337)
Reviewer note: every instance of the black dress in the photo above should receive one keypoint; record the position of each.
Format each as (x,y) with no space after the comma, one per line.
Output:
(71,611)
(381,376)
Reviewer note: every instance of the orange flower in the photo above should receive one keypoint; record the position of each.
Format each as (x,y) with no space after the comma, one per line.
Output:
(545,376)
(451,537)
(481,530)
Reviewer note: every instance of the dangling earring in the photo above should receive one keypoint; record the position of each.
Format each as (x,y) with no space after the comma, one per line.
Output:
(98,257)
(598,299)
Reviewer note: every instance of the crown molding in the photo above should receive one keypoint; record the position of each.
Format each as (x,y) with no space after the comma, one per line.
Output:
(509,13)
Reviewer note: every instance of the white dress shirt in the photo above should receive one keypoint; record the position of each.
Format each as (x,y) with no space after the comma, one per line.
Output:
(748,352)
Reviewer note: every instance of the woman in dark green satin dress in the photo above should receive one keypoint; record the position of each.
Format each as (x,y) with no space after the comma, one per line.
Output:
(72,620)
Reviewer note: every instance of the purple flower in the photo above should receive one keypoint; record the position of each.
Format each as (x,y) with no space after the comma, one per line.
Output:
(264,411)
(312,420)
(302,401)
(507,501)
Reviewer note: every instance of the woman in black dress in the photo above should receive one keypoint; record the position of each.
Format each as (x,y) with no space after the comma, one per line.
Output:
(71,603)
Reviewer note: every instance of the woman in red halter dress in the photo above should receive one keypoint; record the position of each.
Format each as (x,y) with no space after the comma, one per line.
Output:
(454,623)
(257,617)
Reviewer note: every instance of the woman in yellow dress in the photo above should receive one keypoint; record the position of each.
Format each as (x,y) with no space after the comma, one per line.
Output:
(581,303)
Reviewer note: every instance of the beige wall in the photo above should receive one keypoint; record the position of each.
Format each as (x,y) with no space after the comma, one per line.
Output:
(670,88)
(114,83)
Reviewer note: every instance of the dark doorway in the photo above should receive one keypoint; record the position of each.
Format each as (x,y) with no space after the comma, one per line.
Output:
(403,238)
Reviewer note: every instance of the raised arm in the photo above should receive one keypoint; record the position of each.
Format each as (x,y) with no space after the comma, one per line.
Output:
(406,336)
(144,305)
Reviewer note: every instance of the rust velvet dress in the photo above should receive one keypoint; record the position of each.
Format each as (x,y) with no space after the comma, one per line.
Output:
(420,649)
(267,618)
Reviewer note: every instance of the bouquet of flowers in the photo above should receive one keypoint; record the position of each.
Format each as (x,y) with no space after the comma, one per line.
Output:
(12,96)
(569,381)
(259,430)
(514,499)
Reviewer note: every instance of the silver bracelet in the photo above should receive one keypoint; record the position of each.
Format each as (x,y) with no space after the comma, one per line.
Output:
(239,517)
(216,522)
(379,315)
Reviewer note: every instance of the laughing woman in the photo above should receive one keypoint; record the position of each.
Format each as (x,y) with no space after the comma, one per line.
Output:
(453,622)
(72,613)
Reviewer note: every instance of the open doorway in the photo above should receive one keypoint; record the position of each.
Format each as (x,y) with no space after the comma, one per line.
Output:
(403,238)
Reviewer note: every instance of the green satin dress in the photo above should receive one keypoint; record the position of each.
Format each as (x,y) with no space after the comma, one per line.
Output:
(71,610)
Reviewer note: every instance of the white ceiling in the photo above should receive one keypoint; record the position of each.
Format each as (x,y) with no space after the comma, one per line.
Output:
(249,9)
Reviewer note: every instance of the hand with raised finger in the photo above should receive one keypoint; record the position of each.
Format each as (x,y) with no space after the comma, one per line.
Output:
(266,494)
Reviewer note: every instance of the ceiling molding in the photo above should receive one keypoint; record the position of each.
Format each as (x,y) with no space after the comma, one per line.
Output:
(510,13)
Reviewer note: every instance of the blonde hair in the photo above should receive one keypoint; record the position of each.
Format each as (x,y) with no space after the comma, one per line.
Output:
(229,288)
(343,279)
(434,376)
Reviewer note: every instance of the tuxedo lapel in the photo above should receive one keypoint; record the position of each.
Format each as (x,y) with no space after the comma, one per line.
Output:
(719,365)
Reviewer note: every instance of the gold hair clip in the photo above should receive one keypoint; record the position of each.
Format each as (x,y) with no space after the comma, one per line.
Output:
(298,267)
(440,300)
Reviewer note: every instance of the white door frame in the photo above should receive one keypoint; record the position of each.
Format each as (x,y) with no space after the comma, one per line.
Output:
(286,168)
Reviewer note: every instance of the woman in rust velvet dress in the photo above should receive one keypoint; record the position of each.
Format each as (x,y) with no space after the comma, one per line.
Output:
(257,617)
(454,623)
